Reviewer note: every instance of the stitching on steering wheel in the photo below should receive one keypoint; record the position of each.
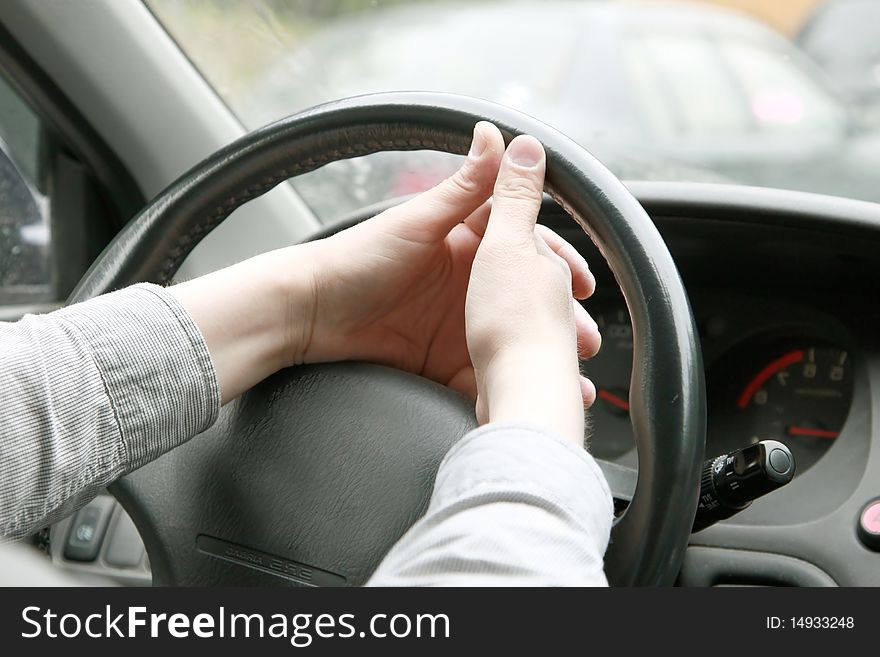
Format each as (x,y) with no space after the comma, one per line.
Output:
(440,141)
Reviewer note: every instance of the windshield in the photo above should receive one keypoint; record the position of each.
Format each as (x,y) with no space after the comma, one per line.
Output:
(692,91)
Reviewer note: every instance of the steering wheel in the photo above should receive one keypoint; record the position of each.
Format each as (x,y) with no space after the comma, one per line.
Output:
(312,476)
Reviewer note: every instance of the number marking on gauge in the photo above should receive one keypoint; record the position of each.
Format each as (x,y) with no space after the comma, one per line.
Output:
(761,377)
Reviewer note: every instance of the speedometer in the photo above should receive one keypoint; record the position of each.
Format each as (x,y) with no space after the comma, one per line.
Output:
(798,393)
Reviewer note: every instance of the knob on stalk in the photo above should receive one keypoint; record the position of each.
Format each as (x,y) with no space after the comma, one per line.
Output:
(730,482)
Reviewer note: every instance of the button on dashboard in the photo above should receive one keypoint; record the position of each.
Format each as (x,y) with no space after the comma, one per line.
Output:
(87,530)
(869,525)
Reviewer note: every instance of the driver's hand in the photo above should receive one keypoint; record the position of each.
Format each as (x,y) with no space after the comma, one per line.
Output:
(392,290)
(524,330)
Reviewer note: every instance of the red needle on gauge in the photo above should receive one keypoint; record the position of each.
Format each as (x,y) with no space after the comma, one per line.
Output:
(815,433)
(613,399)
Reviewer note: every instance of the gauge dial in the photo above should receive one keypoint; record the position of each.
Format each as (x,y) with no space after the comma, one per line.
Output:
(799,394)
(611,435)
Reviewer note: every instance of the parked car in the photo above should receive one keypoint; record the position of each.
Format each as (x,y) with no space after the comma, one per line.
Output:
(659,91)
(841,37)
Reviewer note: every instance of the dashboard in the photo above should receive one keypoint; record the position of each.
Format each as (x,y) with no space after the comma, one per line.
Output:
(784,289)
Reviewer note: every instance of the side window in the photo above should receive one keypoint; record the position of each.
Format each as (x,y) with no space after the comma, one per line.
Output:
(55,217)
(25,260)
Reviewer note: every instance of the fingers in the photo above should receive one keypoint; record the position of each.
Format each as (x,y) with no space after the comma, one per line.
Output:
(588,392)
(583,284)
(464,382)
(518,192)
(479,219)
(589,339)
(431,215)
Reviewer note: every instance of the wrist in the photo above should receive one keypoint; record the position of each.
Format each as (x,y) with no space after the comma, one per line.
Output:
(253,316)
(289,278)
(535,385)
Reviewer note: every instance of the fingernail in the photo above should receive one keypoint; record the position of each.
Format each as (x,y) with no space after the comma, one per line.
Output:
(525,151)
(478,144)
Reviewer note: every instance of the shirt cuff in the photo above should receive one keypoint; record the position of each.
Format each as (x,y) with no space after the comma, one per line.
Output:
(529,458)
(154,364)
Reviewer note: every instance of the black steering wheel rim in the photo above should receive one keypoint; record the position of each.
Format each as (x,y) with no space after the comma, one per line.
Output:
(667,395)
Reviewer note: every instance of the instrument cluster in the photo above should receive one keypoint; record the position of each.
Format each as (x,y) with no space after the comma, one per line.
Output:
(778,384)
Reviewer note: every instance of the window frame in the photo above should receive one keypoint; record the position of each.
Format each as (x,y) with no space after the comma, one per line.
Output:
(108,187)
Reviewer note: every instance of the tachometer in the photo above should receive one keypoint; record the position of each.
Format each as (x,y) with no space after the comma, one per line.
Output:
(798,393)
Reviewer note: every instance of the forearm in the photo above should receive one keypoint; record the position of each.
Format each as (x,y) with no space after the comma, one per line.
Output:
(253,315)
(537,386)
(513,505)
(95,390)
(91,392)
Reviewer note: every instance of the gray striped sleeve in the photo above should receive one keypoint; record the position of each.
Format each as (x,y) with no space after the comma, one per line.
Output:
(513,505)
(93,391)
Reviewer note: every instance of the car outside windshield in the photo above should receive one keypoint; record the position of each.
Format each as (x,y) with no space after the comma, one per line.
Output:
(683,91)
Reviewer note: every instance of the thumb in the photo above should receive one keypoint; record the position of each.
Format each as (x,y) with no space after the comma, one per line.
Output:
(432,214)
(518,193)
